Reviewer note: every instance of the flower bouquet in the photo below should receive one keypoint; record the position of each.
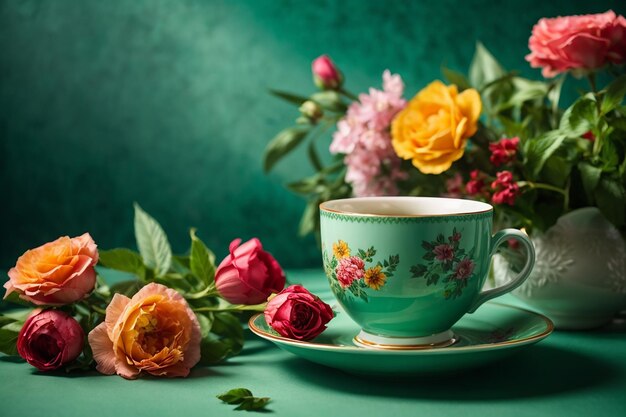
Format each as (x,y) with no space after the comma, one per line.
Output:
(492,135)
(172,313)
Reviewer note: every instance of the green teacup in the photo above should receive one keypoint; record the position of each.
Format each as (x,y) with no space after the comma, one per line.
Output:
(406,269)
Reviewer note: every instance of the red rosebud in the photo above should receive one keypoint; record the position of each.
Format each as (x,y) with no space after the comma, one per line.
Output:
(503,151)
(506,190)
(297,314)
(326,75)
(249,274)
(50,339)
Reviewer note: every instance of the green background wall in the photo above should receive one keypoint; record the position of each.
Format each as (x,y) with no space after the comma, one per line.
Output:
(103,103)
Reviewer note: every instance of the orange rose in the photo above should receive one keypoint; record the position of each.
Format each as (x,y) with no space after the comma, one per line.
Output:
(433,128)
(56,273)
(155,331)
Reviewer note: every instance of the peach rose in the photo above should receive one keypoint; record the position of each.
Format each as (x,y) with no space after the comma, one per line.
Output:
(433,128)
(155,331)
(56,273)
(581,42)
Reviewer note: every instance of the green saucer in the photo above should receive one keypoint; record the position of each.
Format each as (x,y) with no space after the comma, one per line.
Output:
(494,331)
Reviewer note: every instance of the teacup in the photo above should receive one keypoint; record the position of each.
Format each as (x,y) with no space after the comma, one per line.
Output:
(406,269)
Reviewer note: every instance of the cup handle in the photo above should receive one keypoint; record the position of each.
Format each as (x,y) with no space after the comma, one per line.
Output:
(496,241)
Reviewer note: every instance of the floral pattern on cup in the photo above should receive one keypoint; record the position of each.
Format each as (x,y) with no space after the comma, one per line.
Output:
(354,273)
(447,262)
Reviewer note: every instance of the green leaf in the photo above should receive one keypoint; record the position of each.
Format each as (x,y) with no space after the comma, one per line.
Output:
(152,242)
(310,216)
(244,398)
(579,118)
(525,90)
(289,97)
(590,176)
(222,336)
(4,320)
(282,144)
(127,288)
(122,259)
(556,171)
(611,199)
(614,96)
(314,157)
(484,68)
(455,77)
(330,100)
(538,150)
(305,185)
(235,395)
(201,260)
(253,403)
(8,341)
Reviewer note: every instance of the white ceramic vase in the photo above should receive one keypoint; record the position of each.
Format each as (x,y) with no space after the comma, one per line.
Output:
(579,278)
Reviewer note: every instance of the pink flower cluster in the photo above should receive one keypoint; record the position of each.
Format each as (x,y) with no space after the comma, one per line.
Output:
(582,42)
(363,136)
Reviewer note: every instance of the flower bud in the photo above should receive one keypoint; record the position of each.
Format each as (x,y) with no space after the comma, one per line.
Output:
(326,75)
(249,274)
(50,339)
(311,110)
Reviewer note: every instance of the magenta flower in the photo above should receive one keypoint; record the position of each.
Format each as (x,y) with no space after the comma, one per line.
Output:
(350,269)
(443,253)
(503,151)
(464,269)
(506,189)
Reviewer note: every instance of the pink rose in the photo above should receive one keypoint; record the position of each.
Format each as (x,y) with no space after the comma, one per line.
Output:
(56,273)
(577,43)
(249,274)
(50,339)
(350,269)
(326,75)
(297,314)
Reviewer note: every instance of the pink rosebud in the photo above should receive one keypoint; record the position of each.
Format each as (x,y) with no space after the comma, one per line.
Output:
(506,190)
(249,274)
(583,42)
(297,314)
(50,340)
(503,151)
(326,75)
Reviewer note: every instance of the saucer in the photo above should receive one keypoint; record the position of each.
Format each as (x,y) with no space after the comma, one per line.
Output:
(493,332)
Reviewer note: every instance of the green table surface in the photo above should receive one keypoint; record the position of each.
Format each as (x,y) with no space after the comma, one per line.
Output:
(568,374)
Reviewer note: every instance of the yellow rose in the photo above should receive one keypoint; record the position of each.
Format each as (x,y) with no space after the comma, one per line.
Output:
(433,128)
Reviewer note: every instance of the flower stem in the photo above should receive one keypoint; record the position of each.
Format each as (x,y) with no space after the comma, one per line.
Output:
(547,187)
(348,94)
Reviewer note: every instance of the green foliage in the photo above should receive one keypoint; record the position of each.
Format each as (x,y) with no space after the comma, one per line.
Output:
(282,144)
(152,242)
(245,400)
(122,259)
